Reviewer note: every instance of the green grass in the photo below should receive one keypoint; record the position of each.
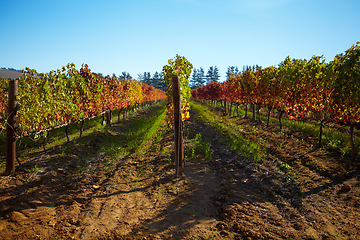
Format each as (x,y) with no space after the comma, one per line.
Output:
(236,139)
(199,148)
(284,165)
(131,135)
(33,169)
(152,129)
(130,139)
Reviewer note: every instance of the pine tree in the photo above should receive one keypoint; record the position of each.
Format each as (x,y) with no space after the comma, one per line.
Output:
(201,76)
(145,78)
(236,70)
(216,75)
(210,74)
(197,78)
(193,80)
(231,70)
(125,76)
(158,82)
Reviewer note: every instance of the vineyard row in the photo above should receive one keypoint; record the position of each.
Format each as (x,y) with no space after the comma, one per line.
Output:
(298,88)
(68,95)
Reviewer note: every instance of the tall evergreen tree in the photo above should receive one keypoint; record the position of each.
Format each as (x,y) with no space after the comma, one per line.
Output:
(210,74)
(193,79)
(236,70)
(139,77)
(232,70)
(216,75)
(125,76)
(158,81)
(145,78)
(201,76)
(197,78)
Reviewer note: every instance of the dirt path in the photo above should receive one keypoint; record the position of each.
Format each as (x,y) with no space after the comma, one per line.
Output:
(137,197)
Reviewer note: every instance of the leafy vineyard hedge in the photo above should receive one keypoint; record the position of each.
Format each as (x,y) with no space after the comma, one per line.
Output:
(181,67)
(313,89)
(69,95)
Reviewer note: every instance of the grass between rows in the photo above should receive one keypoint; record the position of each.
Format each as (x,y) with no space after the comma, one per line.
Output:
(237,140)
(198,148)
(137,133)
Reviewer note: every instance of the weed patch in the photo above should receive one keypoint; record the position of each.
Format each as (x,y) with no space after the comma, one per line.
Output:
(237,140)
(199,148)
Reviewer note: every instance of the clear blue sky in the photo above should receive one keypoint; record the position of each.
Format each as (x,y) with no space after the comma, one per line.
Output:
(141,35)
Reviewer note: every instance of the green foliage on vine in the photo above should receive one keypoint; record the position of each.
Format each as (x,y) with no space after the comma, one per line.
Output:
(181,67)
(347,84)
(4,84)
(68,95)
(300,88)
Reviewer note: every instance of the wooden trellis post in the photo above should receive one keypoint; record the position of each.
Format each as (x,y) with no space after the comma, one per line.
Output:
(10,127)
(178,129)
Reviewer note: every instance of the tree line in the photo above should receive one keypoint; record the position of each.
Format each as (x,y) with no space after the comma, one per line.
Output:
(156,80)
(198,77)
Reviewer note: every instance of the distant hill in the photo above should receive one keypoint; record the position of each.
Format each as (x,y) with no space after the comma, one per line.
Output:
(9,74)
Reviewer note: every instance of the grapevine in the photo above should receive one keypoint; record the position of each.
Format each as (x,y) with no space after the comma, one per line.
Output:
(302,89)
(68,95)
(181,67)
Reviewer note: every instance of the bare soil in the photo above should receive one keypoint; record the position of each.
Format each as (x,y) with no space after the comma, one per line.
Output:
(83,196)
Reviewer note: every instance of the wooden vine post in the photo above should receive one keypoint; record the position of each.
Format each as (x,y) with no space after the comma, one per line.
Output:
(178,128)
(10,127)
